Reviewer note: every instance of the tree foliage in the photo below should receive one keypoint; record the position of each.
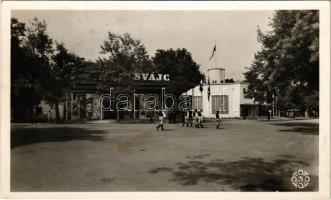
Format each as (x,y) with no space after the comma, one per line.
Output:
(184,72)
(26,70)
(38,40)
(66,69)
(40,70)
(124,57)
(288,62)
(45,69)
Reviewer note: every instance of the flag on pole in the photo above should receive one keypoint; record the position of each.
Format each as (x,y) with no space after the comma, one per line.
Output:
(213,52)
(201,88)
(208,91)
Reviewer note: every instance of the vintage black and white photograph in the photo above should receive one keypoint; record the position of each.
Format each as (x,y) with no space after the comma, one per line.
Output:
(165,100)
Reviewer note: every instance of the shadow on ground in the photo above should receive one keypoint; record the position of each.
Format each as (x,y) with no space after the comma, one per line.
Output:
(26,136)
(247,174)
(303,128)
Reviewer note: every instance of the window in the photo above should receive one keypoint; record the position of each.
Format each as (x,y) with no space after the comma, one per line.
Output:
(220,103)
(244,90)
(197,102)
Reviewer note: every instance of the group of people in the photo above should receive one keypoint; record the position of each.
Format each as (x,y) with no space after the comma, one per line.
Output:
(38,117)
(191,118)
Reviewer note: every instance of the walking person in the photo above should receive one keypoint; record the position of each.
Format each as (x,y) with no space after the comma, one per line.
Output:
(195,118)
(269,114)
(186,118)
(218,120)
(161,120)
(200,118)
(34,116)
(190,118)
(49,115)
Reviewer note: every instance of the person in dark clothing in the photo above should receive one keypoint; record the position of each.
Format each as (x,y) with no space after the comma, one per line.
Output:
(170,117)
(190,118)
(218,120)
(34,116)
(174,117)
(199,119)
(161,119)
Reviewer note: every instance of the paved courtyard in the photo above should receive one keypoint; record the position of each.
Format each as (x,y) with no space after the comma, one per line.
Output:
(242,156)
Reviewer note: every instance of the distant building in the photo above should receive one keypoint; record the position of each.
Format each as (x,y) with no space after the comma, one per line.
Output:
(83,101)
(228,98)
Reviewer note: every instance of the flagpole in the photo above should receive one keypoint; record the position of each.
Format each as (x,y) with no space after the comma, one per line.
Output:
(211,106)
(215,63)
(220,83)
(215,55)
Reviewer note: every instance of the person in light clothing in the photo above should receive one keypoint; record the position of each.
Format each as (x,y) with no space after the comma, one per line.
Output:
(186,118)
(199,119)
(162,117)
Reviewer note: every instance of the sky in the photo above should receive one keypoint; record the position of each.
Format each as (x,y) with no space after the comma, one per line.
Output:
(235,33)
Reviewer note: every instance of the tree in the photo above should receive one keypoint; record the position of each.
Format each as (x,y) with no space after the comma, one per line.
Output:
(66,70)
(288,61)
(38,40)
(184,72)
(40,71)
(124,57)
(40,47)
(26,74)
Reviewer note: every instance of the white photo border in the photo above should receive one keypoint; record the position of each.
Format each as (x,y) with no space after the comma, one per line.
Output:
(324,120)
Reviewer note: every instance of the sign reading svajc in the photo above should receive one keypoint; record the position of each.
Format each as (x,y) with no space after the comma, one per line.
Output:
(151,77)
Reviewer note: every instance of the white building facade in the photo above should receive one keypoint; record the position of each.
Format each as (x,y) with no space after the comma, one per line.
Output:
(228,98)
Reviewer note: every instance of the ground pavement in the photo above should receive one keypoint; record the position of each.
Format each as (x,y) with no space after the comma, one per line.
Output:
(243,155)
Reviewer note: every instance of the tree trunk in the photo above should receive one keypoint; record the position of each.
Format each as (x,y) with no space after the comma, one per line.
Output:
(65,109)
(57,112)
(64,117)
